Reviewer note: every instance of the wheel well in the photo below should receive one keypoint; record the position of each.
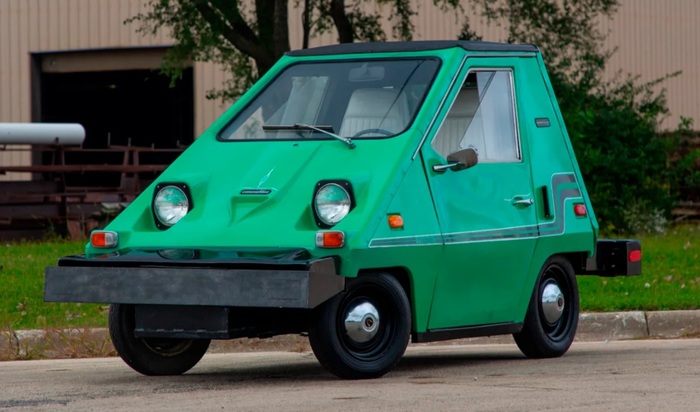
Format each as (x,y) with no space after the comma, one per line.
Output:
(400,273)
(577,260)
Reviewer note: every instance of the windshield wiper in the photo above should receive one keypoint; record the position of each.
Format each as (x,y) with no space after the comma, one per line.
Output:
(327,130)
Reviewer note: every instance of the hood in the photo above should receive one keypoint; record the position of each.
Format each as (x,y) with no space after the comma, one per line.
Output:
(260,193)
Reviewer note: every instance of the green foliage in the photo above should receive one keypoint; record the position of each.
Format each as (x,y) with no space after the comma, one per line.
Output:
(198,39)
(614,131)
(363,26)
(566,30)
(685,161)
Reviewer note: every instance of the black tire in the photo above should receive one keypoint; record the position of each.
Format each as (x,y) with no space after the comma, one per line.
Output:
(380,337)
(152,356)
(542,335)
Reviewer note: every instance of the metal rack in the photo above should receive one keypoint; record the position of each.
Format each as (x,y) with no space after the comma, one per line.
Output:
(56,197)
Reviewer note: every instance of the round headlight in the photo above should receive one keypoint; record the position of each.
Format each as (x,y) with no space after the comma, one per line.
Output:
(332,203)
(170,205)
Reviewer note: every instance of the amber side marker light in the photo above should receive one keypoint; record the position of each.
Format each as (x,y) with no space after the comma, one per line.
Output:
(330,239)
(395,221)
(104,239)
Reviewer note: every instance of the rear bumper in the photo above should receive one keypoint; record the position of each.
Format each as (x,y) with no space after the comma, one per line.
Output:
(276,282)
(615,258)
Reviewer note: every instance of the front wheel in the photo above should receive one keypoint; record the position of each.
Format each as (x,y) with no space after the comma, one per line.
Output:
(152,356)
(552,315)
(363,332)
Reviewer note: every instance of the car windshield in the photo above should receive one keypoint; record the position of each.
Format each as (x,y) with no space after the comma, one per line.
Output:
(352,99)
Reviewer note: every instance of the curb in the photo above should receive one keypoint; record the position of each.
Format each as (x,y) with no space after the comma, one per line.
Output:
(672,324)
(592,327)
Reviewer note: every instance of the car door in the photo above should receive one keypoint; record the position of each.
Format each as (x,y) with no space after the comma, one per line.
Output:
(486,212)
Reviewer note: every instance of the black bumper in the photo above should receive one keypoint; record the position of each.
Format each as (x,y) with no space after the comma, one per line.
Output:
(615,258)
(148,279)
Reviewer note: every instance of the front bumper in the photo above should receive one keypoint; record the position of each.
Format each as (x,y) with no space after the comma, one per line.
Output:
(208,278)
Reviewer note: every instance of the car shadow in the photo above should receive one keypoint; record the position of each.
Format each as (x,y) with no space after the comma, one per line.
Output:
(307,370)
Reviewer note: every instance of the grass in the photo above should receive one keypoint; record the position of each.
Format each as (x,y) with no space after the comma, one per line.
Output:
(670,280)
(670,277)
(22,303)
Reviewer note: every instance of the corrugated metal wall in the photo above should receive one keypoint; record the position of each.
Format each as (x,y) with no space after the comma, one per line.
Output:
(654,38)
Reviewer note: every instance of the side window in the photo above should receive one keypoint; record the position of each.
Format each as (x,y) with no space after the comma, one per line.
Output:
(482,117)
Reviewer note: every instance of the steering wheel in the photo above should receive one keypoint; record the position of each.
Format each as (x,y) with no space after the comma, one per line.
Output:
(377,131)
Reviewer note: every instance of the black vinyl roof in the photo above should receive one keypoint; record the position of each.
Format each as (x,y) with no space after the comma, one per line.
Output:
(409,46)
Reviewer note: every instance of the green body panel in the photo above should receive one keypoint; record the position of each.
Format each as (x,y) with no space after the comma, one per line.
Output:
(486,263)
(470,255)
(490,241)
(222,217)
(413,202)
(550,149)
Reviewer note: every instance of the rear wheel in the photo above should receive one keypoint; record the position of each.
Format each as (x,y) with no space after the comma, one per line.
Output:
(363,332)
(152,356)
(552,315)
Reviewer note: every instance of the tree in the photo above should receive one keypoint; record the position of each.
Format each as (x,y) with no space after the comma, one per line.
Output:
(247,38)
(248,41)
(566,31)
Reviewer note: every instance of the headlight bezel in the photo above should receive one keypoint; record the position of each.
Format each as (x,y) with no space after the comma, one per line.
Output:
(161,186)
(342,184)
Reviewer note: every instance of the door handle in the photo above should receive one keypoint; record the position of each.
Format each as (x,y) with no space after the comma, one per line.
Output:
(523,202)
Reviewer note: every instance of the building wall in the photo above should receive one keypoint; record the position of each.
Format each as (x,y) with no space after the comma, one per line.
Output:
(653,38)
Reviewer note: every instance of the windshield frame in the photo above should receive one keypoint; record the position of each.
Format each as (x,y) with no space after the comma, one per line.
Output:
(315,135)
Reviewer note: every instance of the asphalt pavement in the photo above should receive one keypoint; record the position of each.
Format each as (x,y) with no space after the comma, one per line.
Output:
(630,375)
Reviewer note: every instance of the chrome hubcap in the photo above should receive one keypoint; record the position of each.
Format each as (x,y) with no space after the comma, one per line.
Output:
(362,322)
(552,303)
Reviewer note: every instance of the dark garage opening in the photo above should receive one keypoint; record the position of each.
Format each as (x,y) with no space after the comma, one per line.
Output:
(118,107)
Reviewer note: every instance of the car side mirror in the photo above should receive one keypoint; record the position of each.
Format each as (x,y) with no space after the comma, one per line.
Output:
(460,160)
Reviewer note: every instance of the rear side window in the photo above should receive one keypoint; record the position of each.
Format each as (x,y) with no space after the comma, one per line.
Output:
(482,117)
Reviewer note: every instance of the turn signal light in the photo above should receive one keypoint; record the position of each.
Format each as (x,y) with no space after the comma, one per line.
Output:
(635,256)
(330,239)
(104,239)
(580,210)
(395,221)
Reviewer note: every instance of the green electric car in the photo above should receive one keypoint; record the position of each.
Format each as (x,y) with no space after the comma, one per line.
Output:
(367,195)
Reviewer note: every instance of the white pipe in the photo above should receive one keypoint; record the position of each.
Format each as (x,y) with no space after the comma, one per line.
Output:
(42,133)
